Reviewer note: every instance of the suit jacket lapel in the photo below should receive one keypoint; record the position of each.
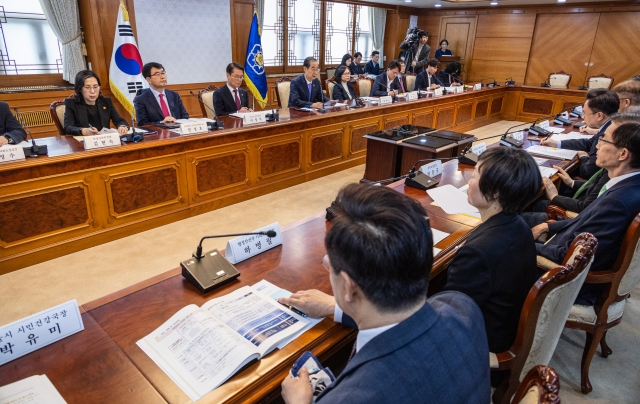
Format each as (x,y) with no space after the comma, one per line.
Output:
(156,105)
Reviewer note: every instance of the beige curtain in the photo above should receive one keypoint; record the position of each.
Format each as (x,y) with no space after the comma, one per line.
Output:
(63,17)
(377,21)
(260,7)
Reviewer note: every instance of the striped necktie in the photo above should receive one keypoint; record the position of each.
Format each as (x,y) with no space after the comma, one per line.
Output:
(586,184)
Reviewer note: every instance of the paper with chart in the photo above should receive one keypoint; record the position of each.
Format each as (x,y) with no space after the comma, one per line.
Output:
(32,390)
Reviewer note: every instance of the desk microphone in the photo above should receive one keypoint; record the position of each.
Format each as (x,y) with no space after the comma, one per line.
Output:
(210,270)
(34,150)
(494,84)
(211,125)
(420,180)
(510,82)
(273,116)
(545,84)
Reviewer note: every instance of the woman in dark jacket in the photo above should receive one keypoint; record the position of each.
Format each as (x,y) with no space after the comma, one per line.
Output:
(343,90)
(449,76)
(346,61)
(89,111)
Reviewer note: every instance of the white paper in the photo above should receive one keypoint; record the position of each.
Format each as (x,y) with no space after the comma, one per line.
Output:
(370,99)
(438,235)
(552,152)
(547,171)
(540,161)
(192,120)
(570,136)
(340,104)
(436,251)
(452,200)
(555,130)
(32,390)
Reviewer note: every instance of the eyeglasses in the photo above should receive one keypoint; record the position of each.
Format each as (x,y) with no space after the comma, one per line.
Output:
(237,77)
(601,139)
(313,69)
(159,74)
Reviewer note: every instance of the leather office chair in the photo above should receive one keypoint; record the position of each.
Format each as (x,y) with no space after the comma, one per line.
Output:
(205,96)
(283,88)
(411,81)
(330,84)
(560,79)
(600,81)
(363,86)
(541,385)
(56,109)
(607,312)
(544,313)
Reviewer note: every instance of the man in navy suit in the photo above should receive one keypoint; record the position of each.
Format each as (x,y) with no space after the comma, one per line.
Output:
(409,349)
(599,106)
(609,216)
(427,79)
(158,104)
(306,90)
(11,131)
(372,66)
(231,98)
(386,84)
(356,67)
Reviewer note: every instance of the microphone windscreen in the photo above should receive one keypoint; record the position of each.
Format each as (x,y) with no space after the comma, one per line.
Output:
(270,233)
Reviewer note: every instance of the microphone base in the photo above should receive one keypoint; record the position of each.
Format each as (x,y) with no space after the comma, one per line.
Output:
(210,272)
(510,83)
(511,142)
(29,152)
(562,121)
(421,181)
(215,125)
(538,131)
(134,137)
(583,88)
(545,85)
(469,158)
(574,114)
(272,117)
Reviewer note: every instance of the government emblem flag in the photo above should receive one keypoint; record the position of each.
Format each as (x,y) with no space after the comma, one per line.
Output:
(254,74)
(125,71)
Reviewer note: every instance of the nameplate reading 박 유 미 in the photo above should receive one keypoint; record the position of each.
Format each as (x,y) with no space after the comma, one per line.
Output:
(192,128)
(243,247)
(38,330)
(385,100)
(11,153)
(102,140)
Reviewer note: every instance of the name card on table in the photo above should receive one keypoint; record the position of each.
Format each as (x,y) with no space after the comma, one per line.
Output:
(479,148)
(386,100)
(437,92)
(39,330)
(543,124)
(518,135)
(191,128)
(11,153)
(459,89)
(412,96)
(243,247)
(252,118)
(102,140)
(477,86)
(432,169)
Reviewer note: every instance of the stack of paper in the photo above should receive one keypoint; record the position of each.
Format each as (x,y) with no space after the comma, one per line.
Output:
(547,171)
(554,129)
(33,390)
(570,136)
(452,200)
(553,152)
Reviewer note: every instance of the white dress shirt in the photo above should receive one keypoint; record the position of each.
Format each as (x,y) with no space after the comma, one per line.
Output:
(613,181)
(559,145)
(346,88)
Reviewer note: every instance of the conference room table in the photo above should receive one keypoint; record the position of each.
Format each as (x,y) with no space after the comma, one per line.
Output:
(102,363)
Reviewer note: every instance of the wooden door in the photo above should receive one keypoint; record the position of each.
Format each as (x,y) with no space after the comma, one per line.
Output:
(616,47)
(561,42)
(460,32)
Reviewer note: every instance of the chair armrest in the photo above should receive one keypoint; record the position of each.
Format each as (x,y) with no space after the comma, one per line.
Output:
(554,212)
(600,277)
(502,360)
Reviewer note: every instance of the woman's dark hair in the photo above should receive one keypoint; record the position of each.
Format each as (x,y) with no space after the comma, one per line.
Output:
(339,72)
(443,41)
(509,176)
(452,68)
(81,77)
(382,240)
(344,59)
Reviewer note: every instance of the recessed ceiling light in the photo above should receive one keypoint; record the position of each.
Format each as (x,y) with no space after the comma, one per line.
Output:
(407,1)
(438,5)
(494,3)
(561,1)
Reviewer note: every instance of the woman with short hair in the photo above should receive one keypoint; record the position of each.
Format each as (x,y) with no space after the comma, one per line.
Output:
(443,49)
(343,90)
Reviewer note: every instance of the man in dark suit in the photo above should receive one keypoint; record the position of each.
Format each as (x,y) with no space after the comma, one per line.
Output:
(157,104)
(11,131)
(427,79)
(386,83)
(409,349)
(231,98)
(356,67)
(609,216)
(372,66)
(599,106)
(420,52)
(305,90)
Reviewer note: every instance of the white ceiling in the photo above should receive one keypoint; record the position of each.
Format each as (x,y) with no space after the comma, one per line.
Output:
(503,3)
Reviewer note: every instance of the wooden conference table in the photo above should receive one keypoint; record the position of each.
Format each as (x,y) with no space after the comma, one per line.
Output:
(104,364)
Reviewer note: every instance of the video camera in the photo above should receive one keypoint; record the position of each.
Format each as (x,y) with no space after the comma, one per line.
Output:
(413,36)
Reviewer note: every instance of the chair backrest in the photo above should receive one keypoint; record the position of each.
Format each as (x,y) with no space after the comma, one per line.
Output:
(56,109)
(331,71)
(541,385)
(600,81)
(206,98)
(283,88)
(560,79)
(411,81)
(363,86)
(330,84)
(627,266)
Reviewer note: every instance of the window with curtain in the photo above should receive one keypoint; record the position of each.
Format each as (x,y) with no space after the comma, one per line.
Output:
(303,24)
(273,33)
(364,43)
(339,32)
(28,44)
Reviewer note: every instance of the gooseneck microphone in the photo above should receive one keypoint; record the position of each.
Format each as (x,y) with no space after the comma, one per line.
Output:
(198,254)
(34,150)
(212,125)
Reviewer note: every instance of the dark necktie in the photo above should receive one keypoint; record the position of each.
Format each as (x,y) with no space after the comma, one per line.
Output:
(163,105)
(400,81)
(353,351)
(238,104)
(309,85)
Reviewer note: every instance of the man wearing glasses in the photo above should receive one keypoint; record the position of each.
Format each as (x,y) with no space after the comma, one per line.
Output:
(386,84)
(306,91)
(157,104)
(231,98)
(599,106)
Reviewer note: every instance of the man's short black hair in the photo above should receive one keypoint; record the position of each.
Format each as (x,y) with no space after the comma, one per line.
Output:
(374,53)
(636,77)
(393,65)
(400,62)
(433,62)
(627,135)
(308,60)
(603,100)
(146,69)
(356,55)
(422,33)
(509,176)
(383,241)
(234,65)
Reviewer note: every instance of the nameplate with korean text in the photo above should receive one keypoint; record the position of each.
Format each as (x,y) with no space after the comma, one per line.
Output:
(243,247)
(102,140)
(385,100)
(437,92)
(412,96)
(432,169)
(253,118)
(10,152)
(544,124)
(518,135)
(39,330)
(479,148)
(477,86)
(192,128)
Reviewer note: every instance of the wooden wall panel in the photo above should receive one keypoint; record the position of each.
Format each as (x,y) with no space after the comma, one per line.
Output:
(496,105)
(506,25)
(444,118)
(505,49)
(537,106)
(358,143)
(423,118)
(482,107)
(141,190)
(326,146)
(279,158)
(463,114)
(460,32)
(498,70)
(431,24)
(561,42)
(395,120)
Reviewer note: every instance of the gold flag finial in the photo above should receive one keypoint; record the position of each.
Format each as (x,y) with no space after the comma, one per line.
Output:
(125,13)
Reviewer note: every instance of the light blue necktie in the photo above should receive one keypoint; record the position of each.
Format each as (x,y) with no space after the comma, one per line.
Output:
(309,91)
